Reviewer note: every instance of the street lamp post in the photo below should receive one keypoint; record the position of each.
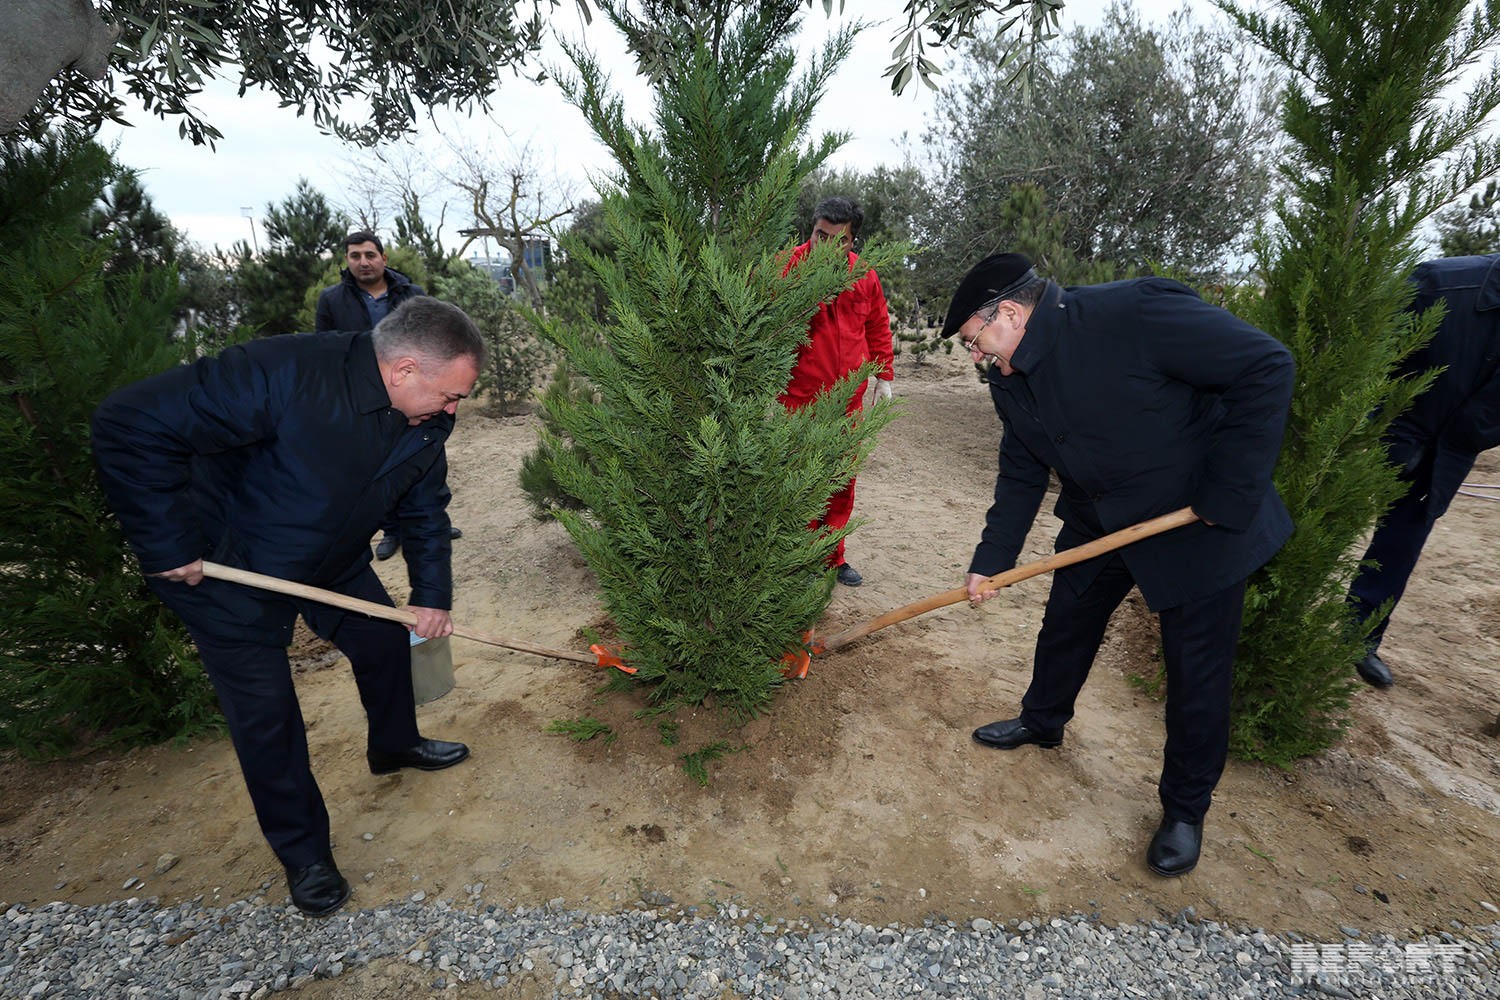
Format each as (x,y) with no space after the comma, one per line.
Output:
(248,212)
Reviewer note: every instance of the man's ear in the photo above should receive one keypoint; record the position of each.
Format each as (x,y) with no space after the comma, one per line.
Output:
(402,369)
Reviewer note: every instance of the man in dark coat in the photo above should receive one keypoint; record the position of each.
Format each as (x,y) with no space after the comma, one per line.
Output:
(367,288)
(1436,441)
(367,291)
(1143,399)
(281,456)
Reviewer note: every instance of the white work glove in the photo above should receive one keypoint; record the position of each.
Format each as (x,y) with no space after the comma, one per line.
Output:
(882,390)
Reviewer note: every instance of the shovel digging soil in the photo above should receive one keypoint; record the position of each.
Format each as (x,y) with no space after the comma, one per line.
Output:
(797,662)
(279,586)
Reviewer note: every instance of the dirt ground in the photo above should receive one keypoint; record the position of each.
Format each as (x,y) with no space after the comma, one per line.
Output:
(861,793)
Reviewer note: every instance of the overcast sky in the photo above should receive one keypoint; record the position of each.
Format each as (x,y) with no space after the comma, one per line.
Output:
(266,148)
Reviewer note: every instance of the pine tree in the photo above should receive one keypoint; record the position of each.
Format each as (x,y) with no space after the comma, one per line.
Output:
(573,292)
(516,356)
(1473,228)
(142,236)
(1041,233)
(544,493)
(412,230)
(699,486)
(87,653)
(302,233)
(574,296)
(1373,148)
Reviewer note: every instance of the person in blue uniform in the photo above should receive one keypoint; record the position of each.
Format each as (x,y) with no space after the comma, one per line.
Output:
(1436,441)
(281,456)
(1143,399)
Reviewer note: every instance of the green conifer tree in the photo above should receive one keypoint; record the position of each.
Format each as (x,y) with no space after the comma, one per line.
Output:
(143,237)
(412,230)
(87,653)
(544,493)
(699,486)
(301,235)
(574,296)
(1472,228)
(1374,146)
(516,356)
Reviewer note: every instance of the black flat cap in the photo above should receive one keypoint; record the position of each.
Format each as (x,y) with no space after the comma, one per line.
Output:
(992,278)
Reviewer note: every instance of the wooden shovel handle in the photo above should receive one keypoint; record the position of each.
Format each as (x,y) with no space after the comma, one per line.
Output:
(277,585)
(1099,546)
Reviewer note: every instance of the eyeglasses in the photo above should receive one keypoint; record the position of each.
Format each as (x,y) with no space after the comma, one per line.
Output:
(988,316)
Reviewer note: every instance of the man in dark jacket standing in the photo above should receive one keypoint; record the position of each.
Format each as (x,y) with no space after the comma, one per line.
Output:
(281,456)
(1436,441)
(367,288)
(1143,399)
(367,291)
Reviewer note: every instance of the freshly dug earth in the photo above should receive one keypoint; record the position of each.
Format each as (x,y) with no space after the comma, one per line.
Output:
(860,794)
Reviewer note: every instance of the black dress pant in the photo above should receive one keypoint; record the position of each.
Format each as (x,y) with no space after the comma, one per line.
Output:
(1393,553)
(254,684)
(1198,645)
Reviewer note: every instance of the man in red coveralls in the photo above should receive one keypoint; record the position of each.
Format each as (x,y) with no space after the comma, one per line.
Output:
(852,329)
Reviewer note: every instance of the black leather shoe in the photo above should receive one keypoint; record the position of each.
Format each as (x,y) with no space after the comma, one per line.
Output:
(1374,671)
(1011,733)
(388,546)
(454,532)
(429,755)
(1175,847)
(318,889)
(849,576)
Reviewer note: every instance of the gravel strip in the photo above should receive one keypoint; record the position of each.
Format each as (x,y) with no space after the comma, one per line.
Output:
(137,948)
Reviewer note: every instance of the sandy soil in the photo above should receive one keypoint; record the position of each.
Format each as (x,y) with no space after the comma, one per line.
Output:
(861,794)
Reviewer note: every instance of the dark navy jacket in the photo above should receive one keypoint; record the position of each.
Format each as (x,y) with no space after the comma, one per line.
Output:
(1459,415)
(1144,399)
(342,307)
(280,456)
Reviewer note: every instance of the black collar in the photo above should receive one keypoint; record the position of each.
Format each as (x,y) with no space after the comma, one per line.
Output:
(363,372)
(1489,288)
(1036,342)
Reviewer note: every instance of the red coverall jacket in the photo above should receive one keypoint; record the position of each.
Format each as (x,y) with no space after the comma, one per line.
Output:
(845,333)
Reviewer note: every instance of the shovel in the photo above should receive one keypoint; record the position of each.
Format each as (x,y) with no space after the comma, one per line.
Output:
(218,571)
(1099,546)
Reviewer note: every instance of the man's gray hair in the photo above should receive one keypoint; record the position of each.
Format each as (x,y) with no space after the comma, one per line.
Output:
(429,330)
